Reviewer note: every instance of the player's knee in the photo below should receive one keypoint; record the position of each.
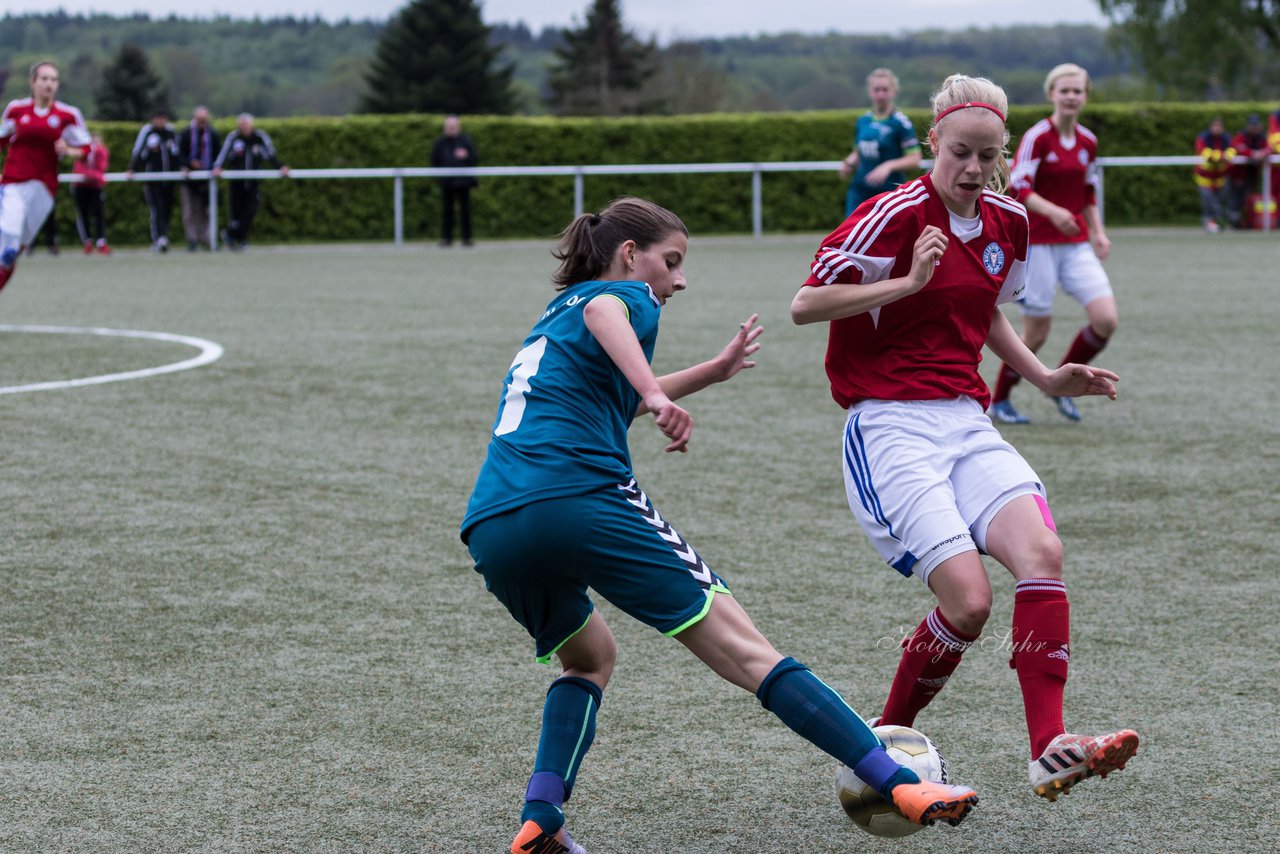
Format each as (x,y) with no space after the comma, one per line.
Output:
(971,611)
(1043,557)
(1105,326)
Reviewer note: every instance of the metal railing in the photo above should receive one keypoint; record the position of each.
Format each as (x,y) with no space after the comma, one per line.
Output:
(580,174)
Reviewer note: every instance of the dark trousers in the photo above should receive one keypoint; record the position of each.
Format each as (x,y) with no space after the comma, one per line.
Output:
(245,200)
(90,222)
(159,195)
(462,195)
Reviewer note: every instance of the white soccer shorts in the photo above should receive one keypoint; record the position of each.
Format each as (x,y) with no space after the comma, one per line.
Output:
(924,479)
(23,209)
(1072,265)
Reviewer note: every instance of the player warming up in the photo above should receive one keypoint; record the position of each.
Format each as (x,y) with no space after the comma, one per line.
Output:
(35,133)
(556,510)
(1055,176)
(911,284)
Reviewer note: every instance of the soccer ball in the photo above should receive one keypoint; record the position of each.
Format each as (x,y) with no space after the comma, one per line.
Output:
(864,805)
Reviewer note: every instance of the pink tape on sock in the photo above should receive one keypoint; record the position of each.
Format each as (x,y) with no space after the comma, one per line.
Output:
(1044,511)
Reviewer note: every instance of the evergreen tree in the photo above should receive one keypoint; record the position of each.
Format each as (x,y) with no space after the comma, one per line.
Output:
(130,89)
(435,57)
(601,68)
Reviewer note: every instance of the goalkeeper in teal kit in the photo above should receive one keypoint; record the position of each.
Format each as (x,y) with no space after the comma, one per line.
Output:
(556,510)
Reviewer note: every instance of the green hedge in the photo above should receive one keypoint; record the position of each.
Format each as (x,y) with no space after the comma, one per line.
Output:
(540,206)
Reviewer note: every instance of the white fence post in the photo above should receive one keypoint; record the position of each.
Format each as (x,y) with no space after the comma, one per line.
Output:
(757,204)
(578,186)
(213,213)
(397,201)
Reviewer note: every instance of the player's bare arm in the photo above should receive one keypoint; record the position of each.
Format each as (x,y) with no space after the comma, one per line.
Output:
(831,302)
(1062,219)
(606,317)
(1070,380)
(724,366)
(1097,236)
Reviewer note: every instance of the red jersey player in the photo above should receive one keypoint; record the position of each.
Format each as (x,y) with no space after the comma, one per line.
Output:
(1054,175)
(911,284)
(35,132)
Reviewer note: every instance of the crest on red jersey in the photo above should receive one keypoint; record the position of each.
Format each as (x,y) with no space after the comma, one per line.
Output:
(993,258)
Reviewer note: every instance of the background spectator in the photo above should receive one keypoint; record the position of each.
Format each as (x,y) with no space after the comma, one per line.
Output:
(454,149)
(1245,179)
(1210,174)
(90,196)
(156,150)
(198,145)
(246,148)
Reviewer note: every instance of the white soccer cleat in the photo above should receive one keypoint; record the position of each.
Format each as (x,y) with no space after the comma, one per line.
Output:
(1071,758)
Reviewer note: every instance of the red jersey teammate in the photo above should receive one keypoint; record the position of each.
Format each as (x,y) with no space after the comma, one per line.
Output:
(911,284)
(35,132)
(1055,175)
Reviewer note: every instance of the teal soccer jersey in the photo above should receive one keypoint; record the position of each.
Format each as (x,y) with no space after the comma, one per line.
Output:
(878,140)
(561,428)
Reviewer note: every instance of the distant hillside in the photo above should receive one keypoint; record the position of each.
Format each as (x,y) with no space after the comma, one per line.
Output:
(302,66)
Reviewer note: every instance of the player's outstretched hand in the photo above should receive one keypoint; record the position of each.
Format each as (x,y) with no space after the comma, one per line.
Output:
(674,422)
(736,355)
(1072,380)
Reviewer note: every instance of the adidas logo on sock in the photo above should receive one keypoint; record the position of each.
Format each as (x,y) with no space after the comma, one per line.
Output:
(1061,653)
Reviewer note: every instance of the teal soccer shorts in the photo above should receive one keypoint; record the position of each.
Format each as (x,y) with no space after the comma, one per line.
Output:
(540,559)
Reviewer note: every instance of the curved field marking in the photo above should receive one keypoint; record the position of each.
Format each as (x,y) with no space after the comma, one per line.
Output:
(210,351)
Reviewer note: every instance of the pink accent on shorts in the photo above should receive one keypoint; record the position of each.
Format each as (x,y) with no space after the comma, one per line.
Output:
(1044,511)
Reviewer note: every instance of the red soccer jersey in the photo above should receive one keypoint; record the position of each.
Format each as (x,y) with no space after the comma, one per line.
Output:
(1066,176)
(29,133)
(925,346)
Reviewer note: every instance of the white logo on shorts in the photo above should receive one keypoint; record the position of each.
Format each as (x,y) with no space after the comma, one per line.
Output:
(993,258)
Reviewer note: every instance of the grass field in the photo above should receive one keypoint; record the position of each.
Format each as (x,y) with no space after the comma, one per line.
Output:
(237,616)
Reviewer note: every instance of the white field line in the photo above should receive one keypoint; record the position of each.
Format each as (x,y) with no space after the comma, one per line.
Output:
(210,351)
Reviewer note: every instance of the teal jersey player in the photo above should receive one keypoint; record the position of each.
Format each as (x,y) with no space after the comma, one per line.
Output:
(561,427)
(557,515)
(878,140)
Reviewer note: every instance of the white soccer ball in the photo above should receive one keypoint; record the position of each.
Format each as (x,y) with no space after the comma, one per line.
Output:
(864,805)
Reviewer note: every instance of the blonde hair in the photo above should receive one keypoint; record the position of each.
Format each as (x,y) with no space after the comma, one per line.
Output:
(883,72)
(962,89)
(1064,70)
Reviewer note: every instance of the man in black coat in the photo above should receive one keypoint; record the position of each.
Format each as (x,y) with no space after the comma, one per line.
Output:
(245,148)
(156,150)
(455,149)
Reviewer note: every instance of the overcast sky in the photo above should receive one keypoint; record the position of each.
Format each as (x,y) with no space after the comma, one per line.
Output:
(665,19)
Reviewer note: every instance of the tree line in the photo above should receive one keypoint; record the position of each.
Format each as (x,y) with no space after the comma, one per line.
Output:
(438,56)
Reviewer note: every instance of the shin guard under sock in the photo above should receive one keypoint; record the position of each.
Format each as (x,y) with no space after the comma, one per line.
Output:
(1041,650)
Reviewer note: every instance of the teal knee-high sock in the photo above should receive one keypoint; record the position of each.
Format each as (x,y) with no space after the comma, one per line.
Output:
(819,714)
(568,728)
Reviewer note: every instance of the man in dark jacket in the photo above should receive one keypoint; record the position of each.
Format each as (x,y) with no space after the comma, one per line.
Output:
(455,149)
(246,148)
(156,150)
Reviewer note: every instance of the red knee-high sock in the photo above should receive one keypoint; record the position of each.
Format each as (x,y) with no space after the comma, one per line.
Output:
(1086,345)
(1041,649)
(1005,381)
(930,655)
